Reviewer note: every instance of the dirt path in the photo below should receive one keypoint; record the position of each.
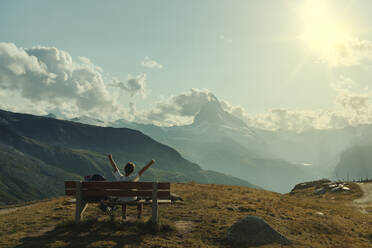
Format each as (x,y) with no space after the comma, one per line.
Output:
(364,204)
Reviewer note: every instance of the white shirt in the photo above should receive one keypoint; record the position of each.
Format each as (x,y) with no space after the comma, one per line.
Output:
(134,177)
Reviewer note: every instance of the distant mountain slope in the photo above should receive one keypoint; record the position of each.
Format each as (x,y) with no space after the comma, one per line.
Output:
(24,177)
(220,141)
(355,163)
(51,150)
(89,121)
(320,149)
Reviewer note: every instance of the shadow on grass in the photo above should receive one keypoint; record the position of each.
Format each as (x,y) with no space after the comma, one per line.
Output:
(96,233)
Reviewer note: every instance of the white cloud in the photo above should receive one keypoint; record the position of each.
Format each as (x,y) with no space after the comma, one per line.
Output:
(87,62)
(134,85)
(175,110)
(184,104)
(28,108)
(181,110)
(352,52)
(150,63)
(54,82)
(357,103)
(343,83)
(49,77)
(352,108)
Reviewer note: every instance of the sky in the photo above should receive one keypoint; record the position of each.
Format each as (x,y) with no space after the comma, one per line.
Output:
(286,64)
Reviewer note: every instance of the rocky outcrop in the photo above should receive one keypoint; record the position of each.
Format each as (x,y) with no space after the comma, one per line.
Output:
(254,231)
(175,198)
(306,185)
(322,186)
(332,187)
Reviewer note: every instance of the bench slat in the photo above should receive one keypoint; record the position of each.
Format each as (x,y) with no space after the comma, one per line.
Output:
(117,185)
(146,202)
(123,193)
(143,202)
(70,184)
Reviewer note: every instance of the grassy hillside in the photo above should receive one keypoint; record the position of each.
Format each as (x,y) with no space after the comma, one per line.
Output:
(201,220)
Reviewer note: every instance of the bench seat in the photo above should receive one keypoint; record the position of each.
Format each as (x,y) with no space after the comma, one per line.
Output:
(146,202)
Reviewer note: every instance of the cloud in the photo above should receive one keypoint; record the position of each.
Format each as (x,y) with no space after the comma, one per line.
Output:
(28,108)
(294,120)
(49,76)
(185,104)
(357,103)
(175,110)
(352,52)
(352,97)
(343,83)
(181,110)
(149,63)
(353,107)
(134,85)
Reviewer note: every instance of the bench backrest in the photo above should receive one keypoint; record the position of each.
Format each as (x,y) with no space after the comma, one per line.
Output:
(120,189)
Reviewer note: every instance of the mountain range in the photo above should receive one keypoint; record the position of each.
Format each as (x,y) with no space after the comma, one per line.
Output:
(274,160)
(39,153)
(219,141)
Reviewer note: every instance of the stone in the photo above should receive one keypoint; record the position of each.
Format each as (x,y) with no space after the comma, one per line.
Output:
(241,209)
(254,231)
(175,197)
(336,189)
(305,185)
(319,191)
(232,208)
(246,209)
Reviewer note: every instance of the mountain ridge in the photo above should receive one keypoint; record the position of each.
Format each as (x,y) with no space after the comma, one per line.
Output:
(79,149)
(219,141)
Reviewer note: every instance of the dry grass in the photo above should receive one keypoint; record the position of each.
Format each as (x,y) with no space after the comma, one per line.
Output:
(328,220)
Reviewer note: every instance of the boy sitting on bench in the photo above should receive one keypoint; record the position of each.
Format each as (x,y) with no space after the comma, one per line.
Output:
(129,176)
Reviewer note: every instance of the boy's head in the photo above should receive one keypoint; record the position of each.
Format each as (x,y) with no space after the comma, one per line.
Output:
(129,168)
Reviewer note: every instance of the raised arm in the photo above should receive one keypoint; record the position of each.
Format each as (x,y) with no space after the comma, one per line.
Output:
(114,166)
(146,167)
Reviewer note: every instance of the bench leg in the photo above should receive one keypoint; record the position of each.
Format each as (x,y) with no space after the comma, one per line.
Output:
(81,205)
(80,209)
(124,211)
(139,210)
(155,217)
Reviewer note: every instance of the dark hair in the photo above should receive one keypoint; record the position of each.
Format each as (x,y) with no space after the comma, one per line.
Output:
(129,168)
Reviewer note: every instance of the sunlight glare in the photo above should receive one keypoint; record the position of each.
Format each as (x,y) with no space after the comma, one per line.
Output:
(323,32)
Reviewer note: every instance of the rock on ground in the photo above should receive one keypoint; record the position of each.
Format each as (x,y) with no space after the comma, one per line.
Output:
(254,231)
(175,197)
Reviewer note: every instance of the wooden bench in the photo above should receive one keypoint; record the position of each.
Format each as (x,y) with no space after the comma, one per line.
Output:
(87,192)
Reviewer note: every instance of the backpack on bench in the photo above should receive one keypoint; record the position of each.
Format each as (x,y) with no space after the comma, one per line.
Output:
(96,178)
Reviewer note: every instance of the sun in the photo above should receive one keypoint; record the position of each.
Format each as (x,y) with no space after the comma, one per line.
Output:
(323,32)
